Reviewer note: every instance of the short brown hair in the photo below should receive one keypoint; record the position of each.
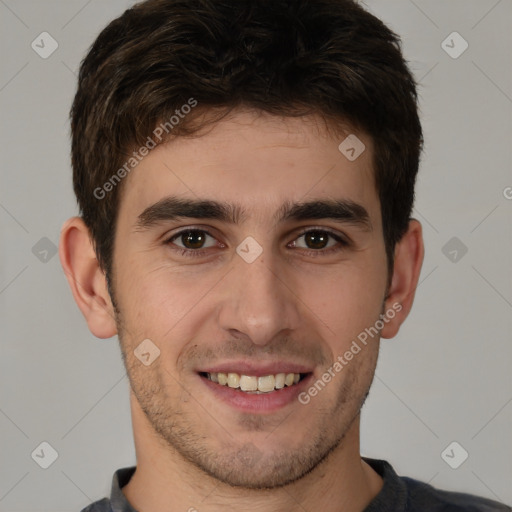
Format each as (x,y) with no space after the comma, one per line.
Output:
(291,58)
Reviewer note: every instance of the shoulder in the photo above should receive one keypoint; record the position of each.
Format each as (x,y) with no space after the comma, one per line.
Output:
(423,497)
(405,494)
(99,506)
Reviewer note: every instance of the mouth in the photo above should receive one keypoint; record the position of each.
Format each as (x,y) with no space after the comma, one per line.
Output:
(256,390)
(253,384)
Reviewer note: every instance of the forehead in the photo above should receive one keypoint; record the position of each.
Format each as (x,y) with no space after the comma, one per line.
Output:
(258,160)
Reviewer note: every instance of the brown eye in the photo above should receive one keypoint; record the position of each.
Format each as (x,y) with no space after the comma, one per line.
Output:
(192,239)
(317,240)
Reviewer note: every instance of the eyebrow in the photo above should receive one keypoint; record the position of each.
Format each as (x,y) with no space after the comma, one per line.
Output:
(175,208)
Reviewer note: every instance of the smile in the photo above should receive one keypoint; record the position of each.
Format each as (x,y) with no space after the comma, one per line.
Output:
(254,384)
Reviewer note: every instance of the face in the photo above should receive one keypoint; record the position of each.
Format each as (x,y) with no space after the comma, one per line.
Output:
(281,280)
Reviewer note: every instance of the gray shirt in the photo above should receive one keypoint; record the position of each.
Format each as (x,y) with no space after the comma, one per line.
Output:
(398,494)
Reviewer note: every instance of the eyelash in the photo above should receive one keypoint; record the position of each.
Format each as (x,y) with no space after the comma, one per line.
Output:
(197,253)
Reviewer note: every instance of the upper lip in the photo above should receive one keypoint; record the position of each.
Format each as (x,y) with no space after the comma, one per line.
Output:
(253,368)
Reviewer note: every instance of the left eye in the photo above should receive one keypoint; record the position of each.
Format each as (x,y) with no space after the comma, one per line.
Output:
(317,239)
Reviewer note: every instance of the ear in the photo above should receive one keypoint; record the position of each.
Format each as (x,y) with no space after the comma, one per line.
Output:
(86,278)
(409,252)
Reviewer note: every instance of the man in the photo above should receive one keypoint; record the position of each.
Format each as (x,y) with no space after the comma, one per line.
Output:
(245,173)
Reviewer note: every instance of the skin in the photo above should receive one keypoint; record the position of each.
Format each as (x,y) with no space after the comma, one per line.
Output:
(194,450)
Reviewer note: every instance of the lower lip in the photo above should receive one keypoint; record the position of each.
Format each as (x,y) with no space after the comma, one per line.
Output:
(258,403)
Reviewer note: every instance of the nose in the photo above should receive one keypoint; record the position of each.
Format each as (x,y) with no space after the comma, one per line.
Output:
(259,302)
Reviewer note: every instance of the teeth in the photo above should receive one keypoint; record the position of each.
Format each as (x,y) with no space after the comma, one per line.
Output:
(288,379)
(266,383)
(233,380)
(250,383)
(280,378)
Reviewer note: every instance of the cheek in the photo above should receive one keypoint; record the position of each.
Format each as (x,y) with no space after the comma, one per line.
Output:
(161,304)
(345,315)
(347,299)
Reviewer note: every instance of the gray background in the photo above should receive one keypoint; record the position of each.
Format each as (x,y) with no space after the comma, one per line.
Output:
(446,377)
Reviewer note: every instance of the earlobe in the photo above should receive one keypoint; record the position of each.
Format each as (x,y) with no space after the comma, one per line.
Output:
(86,278)
(409,252)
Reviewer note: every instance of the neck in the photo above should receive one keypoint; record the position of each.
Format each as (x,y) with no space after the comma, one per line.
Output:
(164,481)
